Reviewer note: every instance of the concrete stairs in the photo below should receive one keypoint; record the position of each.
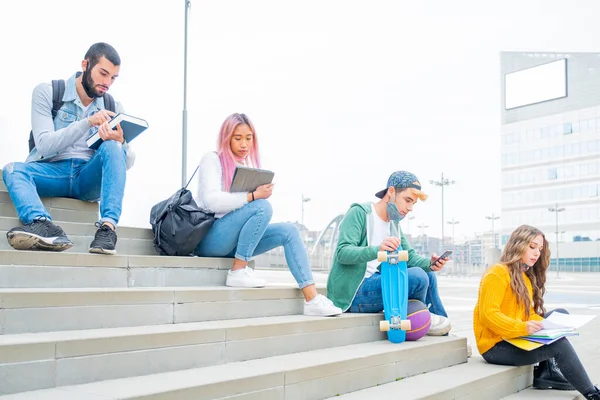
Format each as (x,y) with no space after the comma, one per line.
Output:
(82,326)
(475,380)
(77,220)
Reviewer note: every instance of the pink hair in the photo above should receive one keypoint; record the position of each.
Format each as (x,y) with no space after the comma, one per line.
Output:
(228,159)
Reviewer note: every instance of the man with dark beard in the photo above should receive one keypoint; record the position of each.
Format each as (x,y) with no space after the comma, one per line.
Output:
(62,165)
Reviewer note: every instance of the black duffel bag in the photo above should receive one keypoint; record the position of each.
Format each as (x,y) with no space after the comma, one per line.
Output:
(178,224)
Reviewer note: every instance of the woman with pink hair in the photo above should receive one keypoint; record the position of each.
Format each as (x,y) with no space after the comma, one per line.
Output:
(242,228)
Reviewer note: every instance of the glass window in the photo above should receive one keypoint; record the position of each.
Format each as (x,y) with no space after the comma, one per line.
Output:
(584,169)
(567,128)
(576,127)
(545,133)
(575,149)
(584,125)
(522,177)
(569,171)
(552,173)
(592,125)
(529,137)
(523,157)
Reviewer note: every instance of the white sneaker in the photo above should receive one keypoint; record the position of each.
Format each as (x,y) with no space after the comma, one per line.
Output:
(439,325)
(244,278)
(321,306)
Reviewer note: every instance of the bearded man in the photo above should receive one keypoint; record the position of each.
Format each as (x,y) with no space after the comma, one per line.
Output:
(60,163)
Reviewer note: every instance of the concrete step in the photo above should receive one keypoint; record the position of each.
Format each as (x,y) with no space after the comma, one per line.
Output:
(534,394)
(473,380)
(35,269)
(46,360)
(60,208)
(308,375)
(46,310)
(136,241)
(57,214)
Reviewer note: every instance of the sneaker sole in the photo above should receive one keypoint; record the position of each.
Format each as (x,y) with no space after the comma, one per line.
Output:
(100,250)
(245,286)
(31,241)
(322,315)
(441,332)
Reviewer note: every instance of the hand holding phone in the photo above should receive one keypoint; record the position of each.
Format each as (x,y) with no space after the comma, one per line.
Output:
(446,254)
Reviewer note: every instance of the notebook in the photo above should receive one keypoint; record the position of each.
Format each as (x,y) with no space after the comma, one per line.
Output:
(132,127)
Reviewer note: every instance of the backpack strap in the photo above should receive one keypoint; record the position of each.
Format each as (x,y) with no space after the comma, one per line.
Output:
(192,177)
(58,91)
(109,102)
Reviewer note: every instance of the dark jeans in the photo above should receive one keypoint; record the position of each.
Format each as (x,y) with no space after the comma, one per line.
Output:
(422,286)
(504,353)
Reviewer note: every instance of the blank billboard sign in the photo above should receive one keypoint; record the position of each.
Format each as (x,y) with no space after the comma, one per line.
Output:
(534,85)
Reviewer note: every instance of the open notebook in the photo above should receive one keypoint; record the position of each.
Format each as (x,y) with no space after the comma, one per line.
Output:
(556,326)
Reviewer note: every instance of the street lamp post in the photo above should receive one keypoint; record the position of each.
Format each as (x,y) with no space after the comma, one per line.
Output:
(556,210)
(423,227)
(453,223)
(493,218)
(408,223)
(442,182)
(304,200)
(188,4)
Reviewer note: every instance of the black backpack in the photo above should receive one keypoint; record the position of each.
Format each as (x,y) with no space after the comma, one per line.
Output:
(58,90)
(178,224)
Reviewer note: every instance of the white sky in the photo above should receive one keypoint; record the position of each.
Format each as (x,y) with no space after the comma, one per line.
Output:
(342,93)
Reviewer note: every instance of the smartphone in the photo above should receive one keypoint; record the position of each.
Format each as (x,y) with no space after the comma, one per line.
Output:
(446,254)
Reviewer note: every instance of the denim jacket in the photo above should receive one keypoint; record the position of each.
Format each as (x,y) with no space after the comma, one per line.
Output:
(65,136)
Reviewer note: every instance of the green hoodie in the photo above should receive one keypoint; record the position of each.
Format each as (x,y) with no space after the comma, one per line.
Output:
(353,252)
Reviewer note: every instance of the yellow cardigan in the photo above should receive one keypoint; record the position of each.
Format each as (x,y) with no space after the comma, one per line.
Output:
(497,314)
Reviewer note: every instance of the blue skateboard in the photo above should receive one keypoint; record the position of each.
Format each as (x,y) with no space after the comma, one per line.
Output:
(394,289)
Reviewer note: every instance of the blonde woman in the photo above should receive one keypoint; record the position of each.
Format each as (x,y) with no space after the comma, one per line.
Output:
(511,304)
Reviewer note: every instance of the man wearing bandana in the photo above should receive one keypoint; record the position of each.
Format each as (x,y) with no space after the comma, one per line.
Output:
(354,282)
(62,165)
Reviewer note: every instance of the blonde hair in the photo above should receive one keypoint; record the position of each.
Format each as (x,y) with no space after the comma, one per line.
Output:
(512,255)
(418,193)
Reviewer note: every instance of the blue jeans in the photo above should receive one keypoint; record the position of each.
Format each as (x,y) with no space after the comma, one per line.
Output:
(102,178)
(422,286)
(246,232)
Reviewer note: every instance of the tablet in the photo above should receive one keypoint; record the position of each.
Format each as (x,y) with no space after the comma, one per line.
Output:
(247,179)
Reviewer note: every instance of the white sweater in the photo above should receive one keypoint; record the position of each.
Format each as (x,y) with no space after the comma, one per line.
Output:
(210,195)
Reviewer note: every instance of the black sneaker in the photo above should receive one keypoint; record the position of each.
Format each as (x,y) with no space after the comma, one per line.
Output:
(595,395)
(105,241)
(41,234)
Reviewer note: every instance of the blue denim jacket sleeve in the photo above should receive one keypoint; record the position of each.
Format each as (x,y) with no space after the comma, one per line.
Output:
(48,141)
